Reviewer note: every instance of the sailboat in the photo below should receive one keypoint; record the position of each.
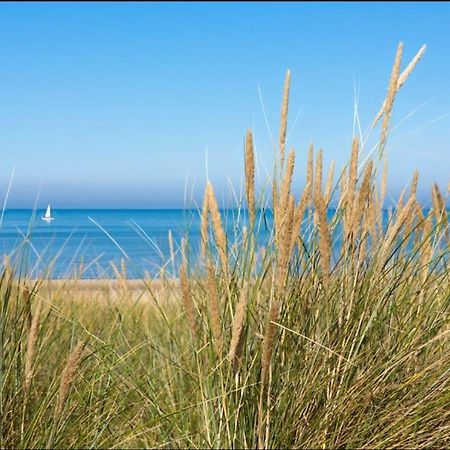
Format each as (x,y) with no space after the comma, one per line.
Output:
(48,215)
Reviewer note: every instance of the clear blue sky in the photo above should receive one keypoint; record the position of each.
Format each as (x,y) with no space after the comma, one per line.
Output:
(114,105)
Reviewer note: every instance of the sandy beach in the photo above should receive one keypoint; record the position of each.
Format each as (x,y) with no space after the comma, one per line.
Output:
(108,289)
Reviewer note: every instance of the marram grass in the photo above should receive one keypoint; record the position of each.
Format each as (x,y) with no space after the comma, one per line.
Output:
(336,334)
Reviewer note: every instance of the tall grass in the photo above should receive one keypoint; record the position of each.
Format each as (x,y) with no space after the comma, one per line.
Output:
(336,334)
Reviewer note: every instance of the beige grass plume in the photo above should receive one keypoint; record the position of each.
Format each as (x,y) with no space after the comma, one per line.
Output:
(324,236)
(366,198)
(67,377)
(426,255)
(284,196)
(414,183)
(221,239)
(350,189)
(329,184)
(31,345)
(284,247)
(392,90)
(410,67)
(371,222)
(364,193)
(412,193)
(420,224)
(419,214)
(402,79)
(318,182)
(399,205)
(287,181)
(435,203)
(318,172)
(237,329)
(275,206)
(363,198)
(284,116)
(204,224)
(439,210)
(393,231)
(250,176)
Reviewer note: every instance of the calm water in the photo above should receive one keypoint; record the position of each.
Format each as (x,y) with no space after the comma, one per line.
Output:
(73,240)
(87,243)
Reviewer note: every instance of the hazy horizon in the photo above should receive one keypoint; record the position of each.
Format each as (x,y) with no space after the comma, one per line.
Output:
(125,105)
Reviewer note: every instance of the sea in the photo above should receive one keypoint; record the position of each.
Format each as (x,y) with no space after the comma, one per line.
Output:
(98,243)
(105,243)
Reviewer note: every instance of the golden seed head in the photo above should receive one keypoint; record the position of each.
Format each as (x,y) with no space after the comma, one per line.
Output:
(414,184)
(284,116)
(329,184)
(402,79)
(318,173)
(204,224)
(221,239)
(237,329)
(31,345)
(324,237)
(392,90)
(250,176)
(68,375)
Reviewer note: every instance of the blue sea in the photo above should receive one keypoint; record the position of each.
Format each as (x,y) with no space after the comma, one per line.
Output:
(87,242)
(91,243)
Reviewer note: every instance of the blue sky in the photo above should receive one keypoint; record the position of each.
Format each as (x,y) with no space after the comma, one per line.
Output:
(114,105)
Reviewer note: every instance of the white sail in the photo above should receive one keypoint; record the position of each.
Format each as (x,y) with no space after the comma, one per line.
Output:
(48,215)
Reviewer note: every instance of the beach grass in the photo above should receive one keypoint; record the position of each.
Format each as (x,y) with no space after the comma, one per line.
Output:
(335,334)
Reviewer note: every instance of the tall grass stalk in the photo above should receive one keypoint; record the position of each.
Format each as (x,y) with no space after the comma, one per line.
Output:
(331,329)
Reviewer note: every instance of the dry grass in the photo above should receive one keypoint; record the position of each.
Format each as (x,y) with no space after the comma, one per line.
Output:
(31,345)
(68,377)
(332,334)
(250,177)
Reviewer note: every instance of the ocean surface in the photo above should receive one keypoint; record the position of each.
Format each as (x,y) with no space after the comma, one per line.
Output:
(89,243)
(96,243)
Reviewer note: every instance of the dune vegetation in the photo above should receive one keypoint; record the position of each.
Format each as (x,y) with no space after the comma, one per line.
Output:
(334,334)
